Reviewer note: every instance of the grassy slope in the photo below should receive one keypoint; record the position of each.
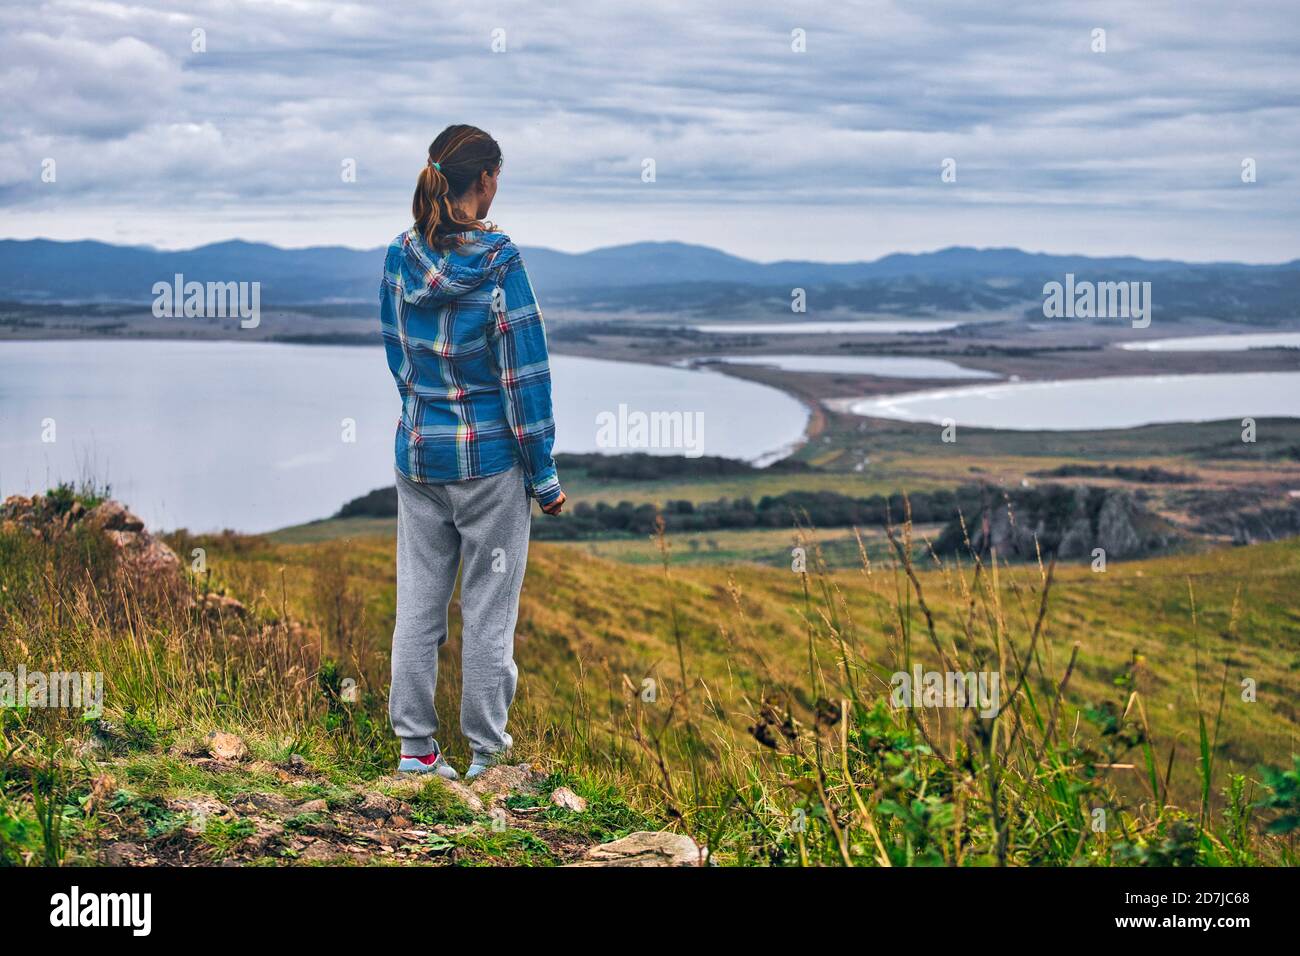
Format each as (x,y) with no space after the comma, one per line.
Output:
(738,655)
(744,631)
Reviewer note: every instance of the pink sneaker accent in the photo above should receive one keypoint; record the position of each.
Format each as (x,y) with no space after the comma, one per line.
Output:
(428,759)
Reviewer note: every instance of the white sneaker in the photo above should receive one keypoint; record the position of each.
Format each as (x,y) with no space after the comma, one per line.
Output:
(429,763)
(481,763)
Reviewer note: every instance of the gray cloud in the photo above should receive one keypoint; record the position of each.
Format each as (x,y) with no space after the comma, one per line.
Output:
(1137,149)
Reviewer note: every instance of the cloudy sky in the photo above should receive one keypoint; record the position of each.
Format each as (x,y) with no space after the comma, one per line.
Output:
(831,153)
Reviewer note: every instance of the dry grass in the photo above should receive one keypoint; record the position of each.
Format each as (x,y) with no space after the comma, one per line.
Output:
(746,705)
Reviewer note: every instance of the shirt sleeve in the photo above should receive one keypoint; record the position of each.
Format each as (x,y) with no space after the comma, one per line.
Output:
(518,343)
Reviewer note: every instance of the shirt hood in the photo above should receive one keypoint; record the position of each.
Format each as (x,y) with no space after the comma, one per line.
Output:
(430,278)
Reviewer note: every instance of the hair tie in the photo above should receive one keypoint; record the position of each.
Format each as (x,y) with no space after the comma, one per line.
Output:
(436,166)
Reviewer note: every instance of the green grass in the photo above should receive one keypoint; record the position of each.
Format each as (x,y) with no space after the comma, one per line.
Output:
(507,847)
(1139,606)
(435,804)
(767,737)
(330,529)
(767,546)
(222,836)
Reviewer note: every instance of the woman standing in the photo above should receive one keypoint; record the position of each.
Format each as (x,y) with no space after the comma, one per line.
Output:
(467,348)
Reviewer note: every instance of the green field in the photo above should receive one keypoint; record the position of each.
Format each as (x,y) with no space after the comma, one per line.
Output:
(1159,693)
(770,705)
(578,608)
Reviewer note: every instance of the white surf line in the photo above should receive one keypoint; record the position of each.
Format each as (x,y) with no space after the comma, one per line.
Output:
(1228,342)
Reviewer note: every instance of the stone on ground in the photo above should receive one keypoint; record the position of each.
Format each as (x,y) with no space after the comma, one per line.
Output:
(376,806)
(646,848)
(226,746)
(568,800)
(271,803)
(505,779)
(198,811)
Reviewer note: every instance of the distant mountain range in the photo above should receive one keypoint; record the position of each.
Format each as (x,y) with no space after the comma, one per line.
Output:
(40,270)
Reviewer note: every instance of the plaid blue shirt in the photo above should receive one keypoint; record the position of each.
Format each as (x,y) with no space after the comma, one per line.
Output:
(473,373)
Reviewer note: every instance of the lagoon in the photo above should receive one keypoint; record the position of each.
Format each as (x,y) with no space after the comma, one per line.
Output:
(861,327)
(253,436)
(1095,403)
(885,366)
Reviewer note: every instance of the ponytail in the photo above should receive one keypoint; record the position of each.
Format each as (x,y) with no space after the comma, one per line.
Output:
(456,159)
(430,193)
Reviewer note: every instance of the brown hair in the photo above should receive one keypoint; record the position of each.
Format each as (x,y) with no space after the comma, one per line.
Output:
(460,153)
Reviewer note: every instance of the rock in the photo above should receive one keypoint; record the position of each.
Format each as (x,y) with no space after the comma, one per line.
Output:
(123,854)
(295,631)
(199,811)
(382,837)
(1117,530)
(297,765)
(505,779)
(226,746)
(140,555)
(263,839)
(313,806)
(376,806)
(318,851)
(113,516)
(646,848)
(1057,519)
(465,795)
(1077,540)
(218,606)
(566,798)
(74,514)
(146,556)
(271,803)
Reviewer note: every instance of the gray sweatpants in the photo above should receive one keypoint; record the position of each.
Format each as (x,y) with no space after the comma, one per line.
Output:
(480,525)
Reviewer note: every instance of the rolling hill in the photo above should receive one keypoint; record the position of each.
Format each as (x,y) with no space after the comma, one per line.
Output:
(640,275)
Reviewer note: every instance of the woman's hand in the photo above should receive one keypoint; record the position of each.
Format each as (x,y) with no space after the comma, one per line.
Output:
(556,506)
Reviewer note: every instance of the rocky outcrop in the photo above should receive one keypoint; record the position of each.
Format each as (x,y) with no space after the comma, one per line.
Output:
(1056,520)
(1246,522)
(147,562)
(43,516)
(140,555)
